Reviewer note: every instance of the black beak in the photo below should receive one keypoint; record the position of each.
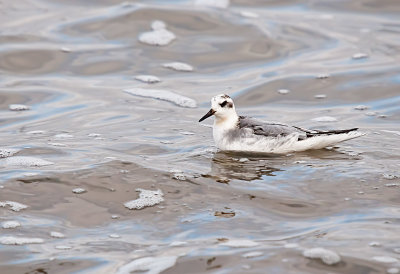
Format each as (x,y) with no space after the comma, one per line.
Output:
(210,113)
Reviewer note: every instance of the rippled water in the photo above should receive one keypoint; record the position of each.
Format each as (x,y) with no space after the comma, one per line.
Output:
(71,63)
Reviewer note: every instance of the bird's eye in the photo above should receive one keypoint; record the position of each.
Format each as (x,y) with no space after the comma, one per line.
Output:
(223,104)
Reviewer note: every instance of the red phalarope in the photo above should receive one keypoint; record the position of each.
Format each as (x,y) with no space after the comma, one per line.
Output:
(239,133)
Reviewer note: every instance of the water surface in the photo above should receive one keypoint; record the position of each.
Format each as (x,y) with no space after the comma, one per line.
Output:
(70,62)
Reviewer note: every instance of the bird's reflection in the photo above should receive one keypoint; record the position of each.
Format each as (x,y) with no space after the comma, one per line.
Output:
(227,166)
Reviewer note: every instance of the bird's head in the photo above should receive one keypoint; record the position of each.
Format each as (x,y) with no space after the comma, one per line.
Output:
(222,107)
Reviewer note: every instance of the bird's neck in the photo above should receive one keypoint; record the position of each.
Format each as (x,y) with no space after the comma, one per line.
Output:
(227,121)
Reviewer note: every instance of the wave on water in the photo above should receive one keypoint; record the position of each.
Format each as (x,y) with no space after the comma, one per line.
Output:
(164,95)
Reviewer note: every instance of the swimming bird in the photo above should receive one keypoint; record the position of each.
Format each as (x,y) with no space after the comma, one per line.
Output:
(232,132)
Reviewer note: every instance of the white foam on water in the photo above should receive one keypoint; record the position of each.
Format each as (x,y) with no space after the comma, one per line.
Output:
(159,36)
(7,152)
(177,243)
(57,144)
(249,14)
(179,66)
(153,265)
(374,244)
(36,132)
(166,142)
(392,185)
(14,206)
(65,49)
(164,95)
(327,256)
(10,240)
(361,107)
(146,198)
(94,135)
(291,245)
(388,176)
(10,224)
(240,243)
(283,91)
(158,24)
(385,259)
(110,158)
(18,107)
(393,270)
(151,79)
(187,133)
(28,174)
(359,55)
(324,119)
(320,96)
(323,76)
(56,234)
(63,136)
(25,161)
(63,247)
(221,4)
(115,236)
(79,190)
(253,254)
(179,176)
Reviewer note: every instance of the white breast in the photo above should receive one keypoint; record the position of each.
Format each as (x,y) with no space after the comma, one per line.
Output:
(219,137)
(221,129)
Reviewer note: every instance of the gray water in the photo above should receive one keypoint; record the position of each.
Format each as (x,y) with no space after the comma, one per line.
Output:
(70,62)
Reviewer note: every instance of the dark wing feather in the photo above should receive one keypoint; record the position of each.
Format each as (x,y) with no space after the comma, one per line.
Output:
(311,133)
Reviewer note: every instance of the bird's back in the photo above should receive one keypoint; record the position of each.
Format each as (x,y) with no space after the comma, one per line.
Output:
(268,129)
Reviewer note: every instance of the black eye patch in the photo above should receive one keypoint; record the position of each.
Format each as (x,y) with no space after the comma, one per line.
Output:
(223,104)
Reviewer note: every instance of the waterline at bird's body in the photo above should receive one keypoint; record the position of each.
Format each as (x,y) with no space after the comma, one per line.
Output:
(238,133)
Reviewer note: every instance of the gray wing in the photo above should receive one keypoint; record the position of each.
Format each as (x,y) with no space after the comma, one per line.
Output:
(276,129)
(269,129)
